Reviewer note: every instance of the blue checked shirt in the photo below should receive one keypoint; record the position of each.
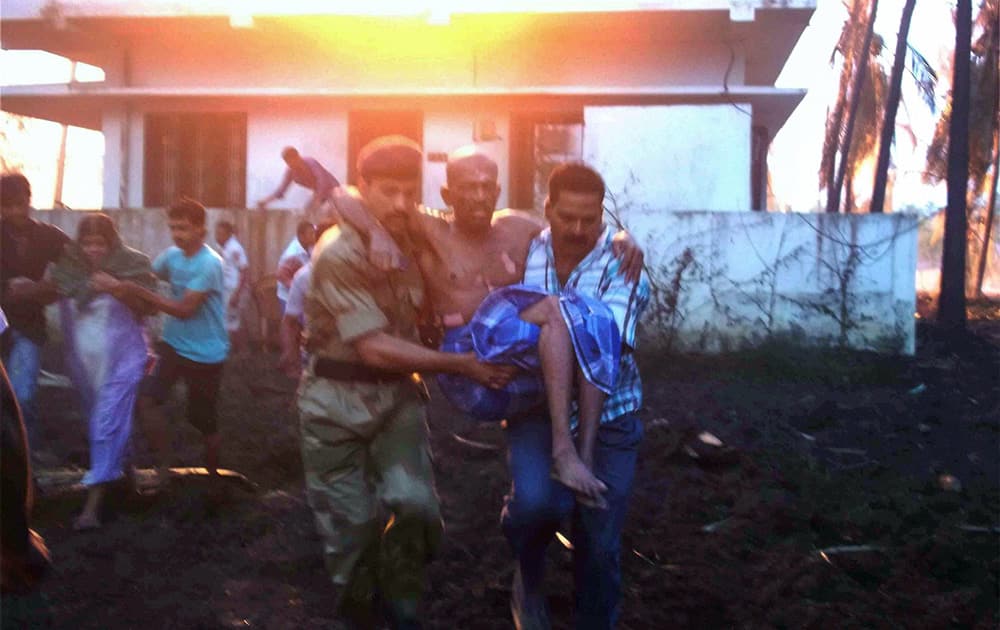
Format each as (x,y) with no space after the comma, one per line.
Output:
(597,276)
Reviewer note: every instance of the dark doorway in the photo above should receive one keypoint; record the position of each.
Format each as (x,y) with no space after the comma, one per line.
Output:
(365,125)
(538,142)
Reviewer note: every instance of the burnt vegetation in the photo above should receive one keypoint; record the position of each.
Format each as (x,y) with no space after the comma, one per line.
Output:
(777,487)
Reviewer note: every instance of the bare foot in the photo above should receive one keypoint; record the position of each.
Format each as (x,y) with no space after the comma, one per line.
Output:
(569,469)
(85,521)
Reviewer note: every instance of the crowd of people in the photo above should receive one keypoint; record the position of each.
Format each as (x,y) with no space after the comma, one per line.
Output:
(535,322)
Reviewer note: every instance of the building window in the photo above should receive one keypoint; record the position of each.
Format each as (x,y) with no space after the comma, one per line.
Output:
(539,143)
(200,155)
(555,144)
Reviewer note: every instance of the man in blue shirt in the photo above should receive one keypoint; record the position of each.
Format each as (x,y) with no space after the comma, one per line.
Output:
(306,172)
(576,254)
(195,342)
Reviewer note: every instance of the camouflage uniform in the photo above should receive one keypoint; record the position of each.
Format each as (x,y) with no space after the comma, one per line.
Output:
(364,444)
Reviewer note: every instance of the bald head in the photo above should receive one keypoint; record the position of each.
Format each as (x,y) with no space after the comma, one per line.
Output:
(471,190)
(467,159)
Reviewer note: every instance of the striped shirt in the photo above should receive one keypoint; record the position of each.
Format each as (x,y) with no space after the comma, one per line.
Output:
(597,276)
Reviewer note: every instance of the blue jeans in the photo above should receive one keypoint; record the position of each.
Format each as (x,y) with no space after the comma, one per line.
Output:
(23,362)
(537,503)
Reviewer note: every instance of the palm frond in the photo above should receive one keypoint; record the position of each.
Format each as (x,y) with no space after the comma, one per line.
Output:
(987,27)
(937,151)
(924,76)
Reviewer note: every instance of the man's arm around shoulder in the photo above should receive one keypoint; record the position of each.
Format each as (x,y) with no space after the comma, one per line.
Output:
(383,252)
(520,220)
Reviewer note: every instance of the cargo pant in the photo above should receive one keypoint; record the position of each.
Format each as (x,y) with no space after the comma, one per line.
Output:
(367,460)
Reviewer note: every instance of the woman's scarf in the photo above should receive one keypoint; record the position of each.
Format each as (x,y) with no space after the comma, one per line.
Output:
(71,272)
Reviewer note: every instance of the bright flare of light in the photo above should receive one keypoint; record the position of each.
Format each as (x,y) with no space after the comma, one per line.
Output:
(32,67)
(394,44)
(371,8)
(241,20)
(438,16)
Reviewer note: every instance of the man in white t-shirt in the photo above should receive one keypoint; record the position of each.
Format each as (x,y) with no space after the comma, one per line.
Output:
(293,357)
(295,255)
(234,279)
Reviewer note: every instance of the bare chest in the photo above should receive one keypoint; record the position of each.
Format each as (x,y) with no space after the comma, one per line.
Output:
(463,266)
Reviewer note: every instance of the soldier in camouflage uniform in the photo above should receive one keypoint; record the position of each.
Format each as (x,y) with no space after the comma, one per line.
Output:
(364,435)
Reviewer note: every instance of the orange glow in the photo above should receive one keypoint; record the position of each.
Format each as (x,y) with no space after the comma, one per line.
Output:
(430,8)
(412,33)
(408,51)
(376,8)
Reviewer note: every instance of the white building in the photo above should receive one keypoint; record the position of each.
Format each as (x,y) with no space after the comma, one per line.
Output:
(672,100)
(200,97)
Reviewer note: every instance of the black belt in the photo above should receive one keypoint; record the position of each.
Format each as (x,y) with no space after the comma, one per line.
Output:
(347,371)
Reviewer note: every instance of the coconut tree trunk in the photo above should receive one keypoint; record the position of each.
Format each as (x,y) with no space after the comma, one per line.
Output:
(990,215)
(833,201)
(849,191)
(951,305)
(832,194)
(891,106)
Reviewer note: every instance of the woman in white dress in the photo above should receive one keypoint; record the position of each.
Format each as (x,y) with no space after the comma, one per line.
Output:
(106,348)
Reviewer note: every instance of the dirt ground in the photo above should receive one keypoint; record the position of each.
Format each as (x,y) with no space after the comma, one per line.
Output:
(849,490)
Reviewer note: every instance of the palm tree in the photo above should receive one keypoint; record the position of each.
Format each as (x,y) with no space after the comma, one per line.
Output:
(851,128)
(984,124)
(990,216)
(983,108)
(892,104)
(951,305)
(864,133)
(924,79)
(987,49)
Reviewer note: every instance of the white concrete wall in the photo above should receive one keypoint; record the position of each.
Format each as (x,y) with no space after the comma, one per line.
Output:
(721,280)
(136,134)
(112,128)
(678,157)
(678,178)
(317,131)
(124,130)
(726,280)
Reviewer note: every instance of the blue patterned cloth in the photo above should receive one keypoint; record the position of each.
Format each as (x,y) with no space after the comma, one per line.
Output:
(524,392)
(497,334)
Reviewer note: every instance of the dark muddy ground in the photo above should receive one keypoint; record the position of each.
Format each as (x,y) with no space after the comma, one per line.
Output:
(824,508)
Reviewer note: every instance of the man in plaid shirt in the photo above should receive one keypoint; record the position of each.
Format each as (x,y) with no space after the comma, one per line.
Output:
(575,254)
